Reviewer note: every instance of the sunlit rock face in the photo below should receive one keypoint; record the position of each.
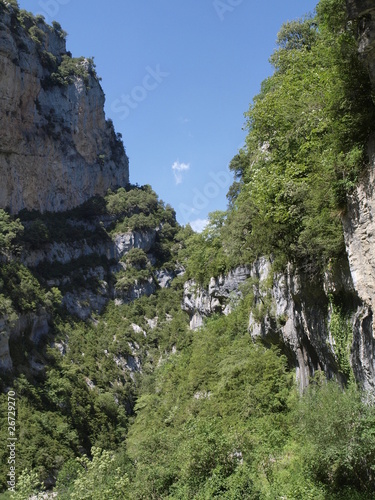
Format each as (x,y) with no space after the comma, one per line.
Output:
(56,147)
(220,296)
(358,222)
(359,233)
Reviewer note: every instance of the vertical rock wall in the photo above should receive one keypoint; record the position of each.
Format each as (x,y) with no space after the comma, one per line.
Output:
(56,147)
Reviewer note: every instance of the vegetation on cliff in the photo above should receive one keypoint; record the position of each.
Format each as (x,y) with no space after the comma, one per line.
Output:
(305,151)
(133,404)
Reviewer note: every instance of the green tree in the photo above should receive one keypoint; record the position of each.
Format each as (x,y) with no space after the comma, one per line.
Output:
(306,145)
(98,480)
(9,230)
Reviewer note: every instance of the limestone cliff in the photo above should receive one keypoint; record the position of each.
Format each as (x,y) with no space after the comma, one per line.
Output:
(288,310)
(85,288)
(358,221)
(56,147)
(219,297)
(300,315)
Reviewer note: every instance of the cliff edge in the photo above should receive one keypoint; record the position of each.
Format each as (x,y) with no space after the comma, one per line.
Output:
(56,147)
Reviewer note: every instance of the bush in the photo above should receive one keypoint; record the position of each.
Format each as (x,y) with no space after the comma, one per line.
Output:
(137,258)
(37,35)
(335,431)
(99,479)
(58,30)
(71,68)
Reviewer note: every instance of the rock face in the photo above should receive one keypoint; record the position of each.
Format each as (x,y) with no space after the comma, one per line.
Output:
(56,147)
(359,223)
(293,312)
(219,297)
(364,12)
(63,253)
(359,232)
(96,286)
(287,311)
(34,326)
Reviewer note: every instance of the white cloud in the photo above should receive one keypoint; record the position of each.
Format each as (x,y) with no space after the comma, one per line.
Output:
(199,224)
(178,168)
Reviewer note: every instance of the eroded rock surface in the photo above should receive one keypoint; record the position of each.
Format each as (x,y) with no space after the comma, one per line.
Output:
(56,147)
(200,302)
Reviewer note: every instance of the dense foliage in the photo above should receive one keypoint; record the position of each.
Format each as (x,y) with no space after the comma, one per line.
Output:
(305,151)
(132,404)
(221,418)
(80,393)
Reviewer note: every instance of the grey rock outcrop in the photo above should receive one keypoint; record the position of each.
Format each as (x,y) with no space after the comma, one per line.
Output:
(56,147)
(359,232)
(358,222)
(294,313)
(34,325)
(221,294)
(96,284)
(137,290)
(112,248)
(6,363)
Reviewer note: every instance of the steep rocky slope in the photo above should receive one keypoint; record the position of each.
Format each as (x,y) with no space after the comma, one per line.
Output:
(57,142)
(301,315)
(86,258)
(287,310)
(56,147)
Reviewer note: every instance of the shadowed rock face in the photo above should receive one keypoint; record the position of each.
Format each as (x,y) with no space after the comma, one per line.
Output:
(289,310)
(56,147)
(364,12)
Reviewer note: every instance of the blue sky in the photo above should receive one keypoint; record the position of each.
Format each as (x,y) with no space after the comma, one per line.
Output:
(178,77)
